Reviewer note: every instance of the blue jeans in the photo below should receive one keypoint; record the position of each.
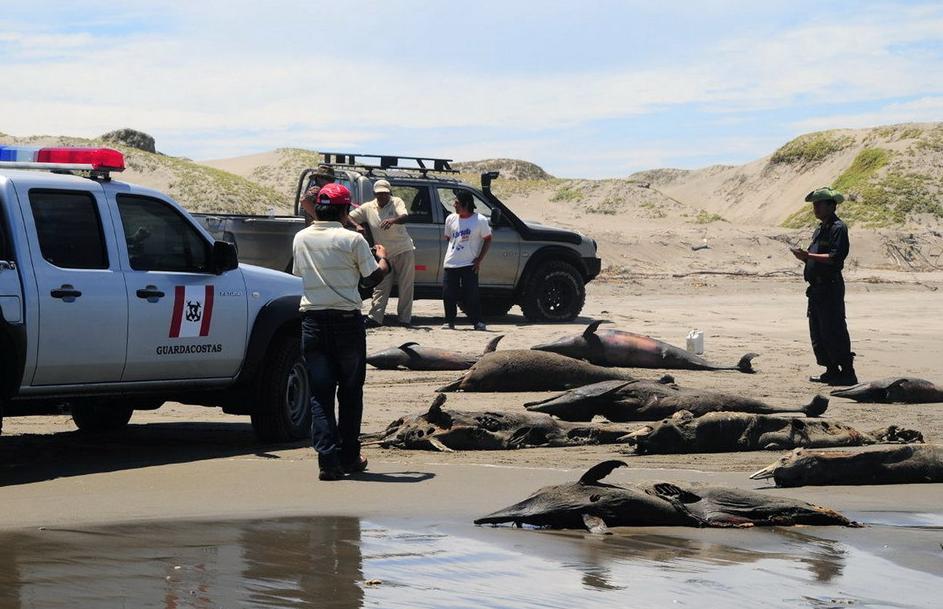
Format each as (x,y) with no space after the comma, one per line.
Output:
(334,345)
(461,281)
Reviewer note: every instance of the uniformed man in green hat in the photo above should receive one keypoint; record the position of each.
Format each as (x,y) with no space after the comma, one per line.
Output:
(826,292)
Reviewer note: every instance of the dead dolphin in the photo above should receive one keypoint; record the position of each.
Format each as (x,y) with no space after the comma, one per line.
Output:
(528,370)
(594,505)
(448,430)
(413,356)
(717,432)
(649,401)
(912,463)
(629,350)
(899,389)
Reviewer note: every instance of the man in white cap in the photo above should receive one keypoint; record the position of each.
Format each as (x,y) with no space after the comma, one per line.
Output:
(386,216)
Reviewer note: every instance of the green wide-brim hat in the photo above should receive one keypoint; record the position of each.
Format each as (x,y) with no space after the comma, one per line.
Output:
(825,194)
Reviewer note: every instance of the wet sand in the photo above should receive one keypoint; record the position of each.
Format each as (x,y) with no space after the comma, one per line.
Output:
(183,463)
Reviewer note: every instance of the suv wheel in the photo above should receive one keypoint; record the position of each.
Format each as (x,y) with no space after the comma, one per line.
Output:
(95,416)
(554,292)
(283,412)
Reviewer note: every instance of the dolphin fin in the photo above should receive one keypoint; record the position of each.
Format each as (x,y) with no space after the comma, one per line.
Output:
(745,365)
(435,408)
(596,525)
(406,346)
(672,492)
(493,344)
(439,446)
(453,386)
(600,471)
(592,327)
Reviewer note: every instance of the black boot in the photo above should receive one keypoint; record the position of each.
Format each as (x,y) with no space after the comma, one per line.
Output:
(847,376)
(831,374)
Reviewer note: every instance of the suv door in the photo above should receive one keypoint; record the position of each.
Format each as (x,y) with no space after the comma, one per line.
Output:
(11,300)
(83,307)
(425,232)
(184,321)
(500,267)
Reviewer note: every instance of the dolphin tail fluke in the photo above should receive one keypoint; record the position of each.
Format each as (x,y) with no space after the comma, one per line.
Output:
(746,363)
(453,386)
(493,344)
(816,407)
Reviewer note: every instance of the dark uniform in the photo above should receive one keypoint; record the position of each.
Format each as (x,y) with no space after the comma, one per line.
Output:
(827,326)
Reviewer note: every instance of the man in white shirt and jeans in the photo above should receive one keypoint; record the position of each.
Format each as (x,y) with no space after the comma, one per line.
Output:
(331,260)
(386,216)
(469,237)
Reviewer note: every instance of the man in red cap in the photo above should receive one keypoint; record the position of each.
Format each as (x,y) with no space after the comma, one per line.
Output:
(331,260)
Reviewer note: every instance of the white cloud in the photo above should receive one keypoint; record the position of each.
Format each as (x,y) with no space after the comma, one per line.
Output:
(244,85)
(923,110)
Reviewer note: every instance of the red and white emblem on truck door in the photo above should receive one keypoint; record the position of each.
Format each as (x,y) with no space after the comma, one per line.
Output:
(193,311)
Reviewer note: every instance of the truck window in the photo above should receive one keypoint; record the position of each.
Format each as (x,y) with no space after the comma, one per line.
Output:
(447,197)
(69,229)
(417,203)
(159,238)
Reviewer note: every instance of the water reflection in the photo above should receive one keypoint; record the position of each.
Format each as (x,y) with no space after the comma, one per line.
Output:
(343,562)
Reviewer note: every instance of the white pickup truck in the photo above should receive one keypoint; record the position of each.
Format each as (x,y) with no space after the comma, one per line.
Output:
(113,299)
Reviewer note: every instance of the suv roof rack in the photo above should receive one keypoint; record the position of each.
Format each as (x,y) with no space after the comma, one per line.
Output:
(387,161)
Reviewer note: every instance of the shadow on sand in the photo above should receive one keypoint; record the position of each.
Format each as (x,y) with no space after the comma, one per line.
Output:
(35,457)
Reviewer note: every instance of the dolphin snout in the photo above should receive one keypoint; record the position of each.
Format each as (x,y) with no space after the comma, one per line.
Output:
(633,437)
(766,472)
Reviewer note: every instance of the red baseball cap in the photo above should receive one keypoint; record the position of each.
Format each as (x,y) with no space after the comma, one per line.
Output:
(334,194)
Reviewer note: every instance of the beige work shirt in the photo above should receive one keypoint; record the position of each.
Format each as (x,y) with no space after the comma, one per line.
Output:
(396,238)
(330,261)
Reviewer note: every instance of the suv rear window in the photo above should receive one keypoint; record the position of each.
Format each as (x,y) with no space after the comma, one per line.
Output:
(69,229)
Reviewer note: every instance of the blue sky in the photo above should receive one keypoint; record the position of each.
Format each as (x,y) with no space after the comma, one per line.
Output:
(585,89)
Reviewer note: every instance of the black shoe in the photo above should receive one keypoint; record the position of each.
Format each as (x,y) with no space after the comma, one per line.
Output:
(370,324)
(355,468)
(331,473)
(827,377)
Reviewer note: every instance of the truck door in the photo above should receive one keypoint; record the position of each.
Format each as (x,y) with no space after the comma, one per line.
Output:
(185,322)
(499,270)
(11,297)
(426,234)
(83,308)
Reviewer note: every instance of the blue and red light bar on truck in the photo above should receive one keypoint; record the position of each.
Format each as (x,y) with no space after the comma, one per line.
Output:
(97,160)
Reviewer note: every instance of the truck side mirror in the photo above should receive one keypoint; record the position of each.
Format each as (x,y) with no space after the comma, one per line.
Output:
(497,218)
(225,257)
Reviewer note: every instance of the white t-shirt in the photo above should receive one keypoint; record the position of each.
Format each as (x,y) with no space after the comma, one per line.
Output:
(396,238)
(330,261)
(466,236)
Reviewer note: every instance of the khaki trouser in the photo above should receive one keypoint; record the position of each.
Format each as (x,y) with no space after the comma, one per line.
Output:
(403,269)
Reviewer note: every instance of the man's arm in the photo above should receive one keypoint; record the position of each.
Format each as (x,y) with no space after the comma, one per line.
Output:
(485,246)
(401,214)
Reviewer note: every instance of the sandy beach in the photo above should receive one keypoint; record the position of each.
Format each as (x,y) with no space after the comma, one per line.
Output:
(204,471)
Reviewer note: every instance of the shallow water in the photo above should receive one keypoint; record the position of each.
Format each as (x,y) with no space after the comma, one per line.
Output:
(346,562)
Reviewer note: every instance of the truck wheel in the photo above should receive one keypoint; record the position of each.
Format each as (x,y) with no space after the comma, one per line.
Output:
(554,292)
(283,412)
(94,416)
(495,307)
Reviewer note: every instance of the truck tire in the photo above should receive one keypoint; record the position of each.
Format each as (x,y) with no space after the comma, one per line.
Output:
(492,308)
(554,292)
(283,411)
(95,416)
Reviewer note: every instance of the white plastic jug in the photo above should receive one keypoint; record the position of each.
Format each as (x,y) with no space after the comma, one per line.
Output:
(695,342)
